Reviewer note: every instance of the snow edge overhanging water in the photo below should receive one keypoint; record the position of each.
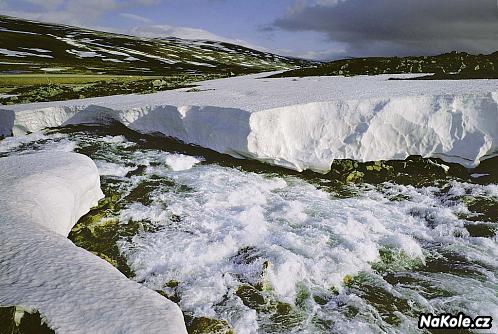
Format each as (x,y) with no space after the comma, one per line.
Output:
(449,121)
(43,195)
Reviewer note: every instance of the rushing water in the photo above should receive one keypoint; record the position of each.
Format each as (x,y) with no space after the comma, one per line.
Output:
(271,251)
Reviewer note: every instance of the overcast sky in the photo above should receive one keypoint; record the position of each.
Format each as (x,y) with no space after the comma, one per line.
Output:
(316,29)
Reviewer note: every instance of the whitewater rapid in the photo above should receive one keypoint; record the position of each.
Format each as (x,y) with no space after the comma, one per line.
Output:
(311,255)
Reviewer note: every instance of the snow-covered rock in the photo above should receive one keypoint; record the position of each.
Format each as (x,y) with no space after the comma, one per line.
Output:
(303,123)
(41,198)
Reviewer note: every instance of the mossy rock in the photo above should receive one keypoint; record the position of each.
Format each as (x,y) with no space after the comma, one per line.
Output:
(251,297)
(171,291)
(384,301)
(99,233)
(482,230)
(21,320)
(482,208)
(347,280)
(414,170)
(205,325)
(282,316)
(392,260)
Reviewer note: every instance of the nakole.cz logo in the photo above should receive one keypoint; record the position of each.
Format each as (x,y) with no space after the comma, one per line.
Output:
(451,321)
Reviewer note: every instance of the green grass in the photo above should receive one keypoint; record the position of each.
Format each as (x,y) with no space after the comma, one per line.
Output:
(70,87)
(17,80)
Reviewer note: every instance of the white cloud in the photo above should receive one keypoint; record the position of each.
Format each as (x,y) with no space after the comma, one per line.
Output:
(327,54)
(72,12)
(135,17)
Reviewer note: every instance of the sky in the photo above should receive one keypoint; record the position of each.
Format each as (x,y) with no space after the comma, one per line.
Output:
(312,29)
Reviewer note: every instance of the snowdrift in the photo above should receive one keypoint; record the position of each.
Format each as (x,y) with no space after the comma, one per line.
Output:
(301,123)
(42,197)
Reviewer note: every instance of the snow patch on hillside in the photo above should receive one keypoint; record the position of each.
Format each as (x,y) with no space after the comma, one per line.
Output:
(303,123)
(42,197)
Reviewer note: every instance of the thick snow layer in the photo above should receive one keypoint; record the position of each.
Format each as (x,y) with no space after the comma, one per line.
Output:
(41,198)
(303,123)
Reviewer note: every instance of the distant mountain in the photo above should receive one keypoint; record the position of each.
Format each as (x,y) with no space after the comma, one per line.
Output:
(34,47)
(453,65)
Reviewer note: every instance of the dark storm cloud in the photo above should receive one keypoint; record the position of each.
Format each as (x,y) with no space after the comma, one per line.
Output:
(400,27)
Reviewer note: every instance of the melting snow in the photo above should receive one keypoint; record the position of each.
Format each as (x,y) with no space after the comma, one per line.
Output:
(303,123)
(10,53)
(43,195)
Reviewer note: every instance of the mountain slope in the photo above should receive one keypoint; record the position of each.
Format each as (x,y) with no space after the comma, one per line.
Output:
(34,47)
(453,65)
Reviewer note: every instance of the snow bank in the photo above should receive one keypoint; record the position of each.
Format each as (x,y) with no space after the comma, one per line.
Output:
(303,123)
(42,197)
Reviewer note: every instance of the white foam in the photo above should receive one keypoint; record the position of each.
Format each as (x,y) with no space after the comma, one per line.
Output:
(54,142)
(179,162)
(229,210)
(112,169)
(310,239)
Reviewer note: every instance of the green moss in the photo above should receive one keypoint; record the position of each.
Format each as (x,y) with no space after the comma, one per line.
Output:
(482,208)
(414,170)
(355,176)
(265,284)
(302,297)
(392,260)
(282,316)
(204,325)
(251,297)
(483,230)
(98,232)
(370,289)
(347,280)
(20,320)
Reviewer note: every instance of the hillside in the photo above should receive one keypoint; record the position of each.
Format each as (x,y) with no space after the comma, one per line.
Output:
(48,62)
(34,47)
(453,65)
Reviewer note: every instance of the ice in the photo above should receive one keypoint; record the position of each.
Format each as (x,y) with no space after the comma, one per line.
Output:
(302,123)
(42,197)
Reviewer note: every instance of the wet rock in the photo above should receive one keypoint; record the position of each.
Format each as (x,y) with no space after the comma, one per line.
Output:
(204,325)
(21,320)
